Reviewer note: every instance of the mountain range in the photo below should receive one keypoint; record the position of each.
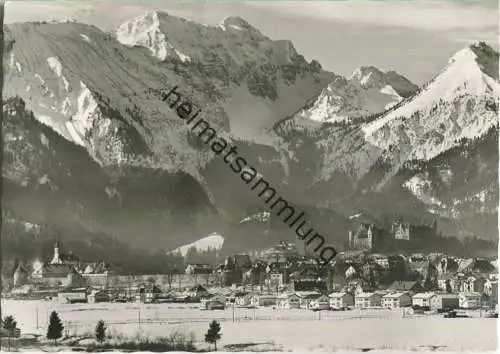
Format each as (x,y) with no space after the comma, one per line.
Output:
(86,143)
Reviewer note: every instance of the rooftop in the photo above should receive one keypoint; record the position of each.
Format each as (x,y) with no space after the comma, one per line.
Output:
(424,296)
(394,295)
(56,270)
(365,295)
(337,295)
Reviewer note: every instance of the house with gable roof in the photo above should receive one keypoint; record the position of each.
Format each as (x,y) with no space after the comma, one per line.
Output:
(423,299)
(396,300)
(288,301)
(368,300)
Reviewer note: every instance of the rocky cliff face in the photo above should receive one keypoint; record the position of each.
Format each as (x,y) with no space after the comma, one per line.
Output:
(99,100)
(50,179)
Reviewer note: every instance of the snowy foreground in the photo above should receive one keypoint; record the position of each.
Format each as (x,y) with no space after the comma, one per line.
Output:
(297,330)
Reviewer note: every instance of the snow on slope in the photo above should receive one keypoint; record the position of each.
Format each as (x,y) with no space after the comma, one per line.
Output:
(421,187)
(391,92)
(365,92)
(452,106)
(13,64)
(261,217)
(213,241)
(85,37)
(359,96)
(144,31)
(371,77)
(56,67)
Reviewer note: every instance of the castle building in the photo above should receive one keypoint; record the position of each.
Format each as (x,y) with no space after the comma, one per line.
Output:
(401,231)
(410,232)
(364,238)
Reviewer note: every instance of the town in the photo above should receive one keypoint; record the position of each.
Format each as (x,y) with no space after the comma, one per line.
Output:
(285,276)
(264,177)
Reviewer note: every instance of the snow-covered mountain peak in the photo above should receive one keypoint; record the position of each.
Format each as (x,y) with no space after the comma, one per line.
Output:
(144,31)
(366,92)
(464,55)
(466,62)
(461,102)
(370,77)
(367,75)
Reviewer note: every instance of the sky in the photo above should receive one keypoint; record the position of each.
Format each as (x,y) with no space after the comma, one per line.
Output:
(414,37)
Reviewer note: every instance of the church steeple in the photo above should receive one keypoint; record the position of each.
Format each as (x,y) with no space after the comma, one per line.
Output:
(57,258)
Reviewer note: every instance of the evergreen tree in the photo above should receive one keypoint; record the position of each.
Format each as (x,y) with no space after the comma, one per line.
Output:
(213,334)
(192,255)
(9,323)
(55,327)
(100,331)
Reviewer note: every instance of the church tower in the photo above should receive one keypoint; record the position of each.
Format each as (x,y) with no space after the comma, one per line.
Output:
(57,258)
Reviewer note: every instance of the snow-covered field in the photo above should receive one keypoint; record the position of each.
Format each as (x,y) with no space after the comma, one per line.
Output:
(293,329)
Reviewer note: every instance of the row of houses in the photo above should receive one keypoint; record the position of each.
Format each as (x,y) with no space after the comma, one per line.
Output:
(280,266)
(343,300)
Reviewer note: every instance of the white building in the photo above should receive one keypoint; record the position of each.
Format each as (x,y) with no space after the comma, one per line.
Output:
(244,300)
(305,298)
(396,300)
(320,303)
(469,300)
(422,299)
(288,301)
(367,300)
(491,287)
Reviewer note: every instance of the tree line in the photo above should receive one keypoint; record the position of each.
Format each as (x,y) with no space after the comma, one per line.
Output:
(55,332)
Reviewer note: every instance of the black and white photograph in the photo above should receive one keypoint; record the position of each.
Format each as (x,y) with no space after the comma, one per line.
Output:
(249,176)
